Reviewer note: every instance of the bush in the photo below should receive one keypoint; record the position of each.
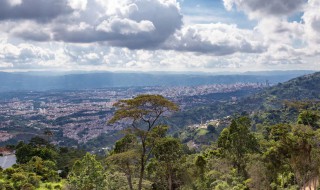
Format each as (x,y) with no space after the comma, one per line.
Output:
(48,186)
(27,186)
(6,186)
(8,172)
(19,177)
(34,180)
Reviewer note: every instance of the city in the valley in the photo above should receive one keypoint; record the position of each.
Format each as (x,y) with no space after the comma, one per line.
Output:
(78,116)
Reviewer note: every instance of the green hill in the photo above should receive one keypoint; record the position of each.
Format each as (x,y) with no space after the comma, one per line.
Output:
(306,87)
(277,104)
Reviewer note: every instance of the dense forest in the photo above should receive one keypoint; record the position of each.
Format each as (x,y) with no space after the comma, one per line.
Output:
(274,147)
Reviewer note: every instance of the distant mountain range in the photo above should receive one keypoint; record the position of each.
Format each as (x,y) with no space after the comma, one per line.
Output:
(41,81)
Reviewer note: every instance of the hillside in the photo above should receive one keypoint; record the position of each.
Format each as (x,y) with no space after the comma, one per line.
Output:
(265,107)
(235,156)
(301,88)
(268,106)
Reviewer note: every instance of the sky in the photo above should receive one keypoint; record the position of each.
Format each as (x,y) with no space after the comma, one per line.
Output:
(159,35)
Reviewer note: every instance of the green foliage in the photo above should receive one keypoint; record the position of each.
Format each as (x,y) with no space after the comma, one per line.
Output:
(45,168)
(167,150)
(236,141)
(125,156)
(67,157)
(144,112)
(87,174)
(200,163)
(38,141)
(247,155)
(24,152)
(143,107)
(211,128)
(165,167)
(292,152)
(309,118)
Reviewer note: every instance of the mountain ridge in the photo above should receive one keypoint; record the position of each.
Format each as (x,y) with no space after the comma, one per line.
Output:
(302,88)
(80,81)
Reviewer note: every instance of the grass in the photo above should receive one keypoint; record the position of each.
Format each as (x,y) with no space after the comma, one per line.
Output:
(201,132)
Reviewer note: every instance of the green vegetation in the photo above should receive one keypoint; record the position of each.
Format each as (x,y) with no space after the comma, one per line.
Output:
(273,146)
(40,165)
(270,105)
(282,156)
(145,112)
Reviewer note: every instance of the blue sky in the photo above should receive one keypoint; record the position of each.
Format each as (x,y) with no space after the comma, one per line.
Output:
(213,11)
(159,35)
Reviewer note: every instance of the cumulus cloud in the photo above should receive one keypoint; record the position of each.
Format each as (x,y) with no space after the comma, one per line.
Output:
(261,8)
(136,24)
(24,56)
(125,26)
(150,35)
(288,42)
(311,18)
(40,10)
(277,30)
(216,39)
(28,30)
(281,54)
(78,4)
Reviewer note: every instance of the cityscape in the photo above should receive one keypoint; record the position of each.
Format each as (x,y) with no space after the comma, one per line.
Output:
(83,115)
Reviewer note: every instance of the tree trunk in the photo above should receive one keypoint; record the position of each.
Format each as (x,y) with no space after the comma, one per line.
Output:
(141,172)
(142,165)
(129,177)
(170,179)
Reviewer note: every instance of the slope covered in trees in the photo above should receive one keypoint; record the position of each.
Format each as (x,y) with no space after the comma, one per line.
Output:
(286,156)
(267,103)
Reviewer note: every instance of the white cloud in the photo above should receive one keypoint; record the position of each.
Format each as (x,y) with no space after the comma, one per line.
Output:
(311,18)
(262,8)
(216,39)
(277,30)
(92,56)
(149,35)
(24,56)
(39,10)
(29,30)
(125,26)
(78,4)
(122,8)
(14,2)
(135,24)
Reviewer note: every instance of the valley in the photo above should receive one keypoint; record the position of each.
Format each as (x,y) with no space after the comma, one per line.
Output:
(77,116)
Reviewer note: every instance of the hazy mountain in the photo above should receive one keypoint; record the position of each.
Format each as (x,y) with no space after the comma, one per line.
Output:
(40,81)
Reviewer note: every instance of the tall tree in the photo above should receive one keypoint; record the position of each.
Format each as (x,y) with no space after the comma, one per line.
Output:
(124,156)
(144,113)
(294,147)
(168,151)
(309,118)
(236,141)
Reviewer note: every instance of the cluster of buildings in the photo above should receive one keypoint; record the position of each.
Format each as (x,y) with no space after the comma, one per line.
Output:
(173,92)
(83,115)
